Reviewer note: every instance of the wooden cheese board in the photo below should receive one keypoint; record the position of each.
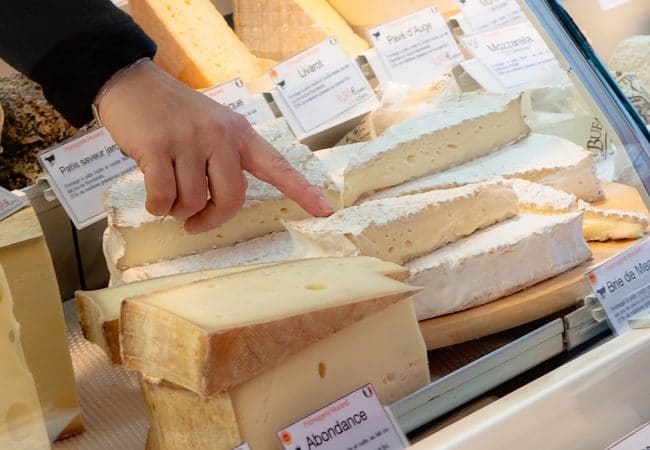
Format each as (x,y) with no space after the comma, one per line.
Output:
(540,300)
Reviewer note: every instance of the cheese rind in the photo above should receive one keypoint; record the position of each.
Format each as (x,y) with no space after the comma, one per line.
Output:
(497,261)
(278,29)
(472,127)
(400,229)
(227,330)
(545,159)
(21,419)
(385,349)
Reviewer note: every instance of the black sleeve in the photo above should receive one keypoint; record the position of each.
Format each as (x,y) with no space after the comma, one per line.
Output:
(70,47)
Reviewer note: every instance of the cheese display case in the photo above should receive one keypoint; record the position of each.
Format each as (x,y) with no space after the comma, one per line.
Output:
(472,196)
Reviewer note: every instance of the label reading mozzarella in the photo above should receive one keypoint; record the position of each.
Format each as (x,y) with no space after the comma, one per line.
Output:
(487,15)
(235,96)
(10,203)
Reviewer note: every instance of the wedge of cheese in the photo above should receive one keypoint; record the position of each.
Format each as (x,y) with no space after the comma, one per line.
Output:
(142,238)
(400,229)
(195,44)
(497,261)
(545,159)
(226,330)
(21,419)
(266,249)
(385,349)
(598,224)
(277,29)
(469,128)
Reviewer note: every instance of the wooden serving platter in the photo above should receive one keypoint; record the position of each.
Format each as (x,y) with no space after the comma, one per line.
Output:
(540,300)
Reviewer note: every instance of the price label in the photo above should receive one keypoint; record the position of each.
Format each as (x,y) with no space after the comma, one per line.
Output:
(357,421)
(417,48)
(622,285)
(10,203)
(243,446)
(320,88)
(488,15)
(81,170)
(235,96)
(516,55)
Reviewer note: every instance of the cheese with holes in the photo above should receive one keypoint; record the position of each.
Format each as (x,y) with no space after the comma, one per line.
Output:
(266,249)
(195,44)
(227,330)
(99,310)
(599,224)
(385,349)
(140,238)
(21,419)
(400,229)
(472,127)
(497,261)
(278,29)
(37,307)
(545,159)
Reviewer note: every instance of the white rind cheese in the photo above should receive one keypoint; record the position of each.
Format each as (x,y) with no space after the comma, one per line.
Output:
(400,229)
(545,159)
(474,126)
(496,262)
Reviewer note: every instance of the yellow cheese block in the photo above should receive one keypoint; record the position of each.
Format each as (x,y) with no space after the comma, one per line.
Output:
(214,334)
(385,349)
(22,426)
(277,29)
(195,44)
(37,307)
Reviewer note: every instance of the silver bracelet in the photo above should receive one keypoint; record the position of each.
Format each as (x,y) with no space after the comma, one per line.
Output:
(109,83)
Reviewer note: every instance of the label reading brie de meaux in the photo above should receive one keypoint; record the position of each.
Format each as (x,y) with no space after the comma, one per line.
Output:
(516,55)
(81,170)
(321,87)
(356,421)
(10,203)
(487,15)
(417,48)
(235,96)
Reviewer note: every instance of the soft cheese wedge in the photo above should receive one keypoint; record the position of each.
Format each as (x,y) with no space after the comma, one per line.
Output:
(142,238)
(497,261)
(385,349)
(400,229)
(214,334)
(278,29)
(472,127)
(545,159)
(195,44)
(599,224)
(21,419)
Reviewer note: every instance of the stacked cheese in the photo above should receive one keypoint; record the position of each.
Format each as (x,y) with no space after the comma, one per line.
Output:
(195,44)
(277,29)
(246,352)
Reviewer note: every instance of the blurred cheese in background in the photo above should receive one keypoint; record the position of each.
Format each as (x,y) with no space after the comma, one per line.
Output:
(633,55)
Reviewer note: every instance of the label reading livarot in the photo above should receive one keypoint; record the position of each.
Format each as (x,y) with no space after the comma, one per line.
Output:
(235,96)
(10,203)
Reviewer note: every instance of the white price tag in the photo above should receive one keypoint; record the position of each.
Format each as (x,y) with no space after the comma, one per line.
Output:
(320,88)
(639,439)
(243,446)
(235,96)
(417,48)
(357,421)
(10,203)
(516,55)
(609,4)
(81,170)
(487,15)
(622,285)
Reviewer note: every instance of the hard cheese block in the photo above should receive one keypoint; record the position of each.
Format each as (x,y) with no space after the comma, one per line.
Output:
(277,29)
(545,159)
(598,224)
(214,334)
(385,349)
(195,44)
(400,229)
(99,310)
(143,238)
(21,420)
(497,261)
(37,307)
(472,127)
